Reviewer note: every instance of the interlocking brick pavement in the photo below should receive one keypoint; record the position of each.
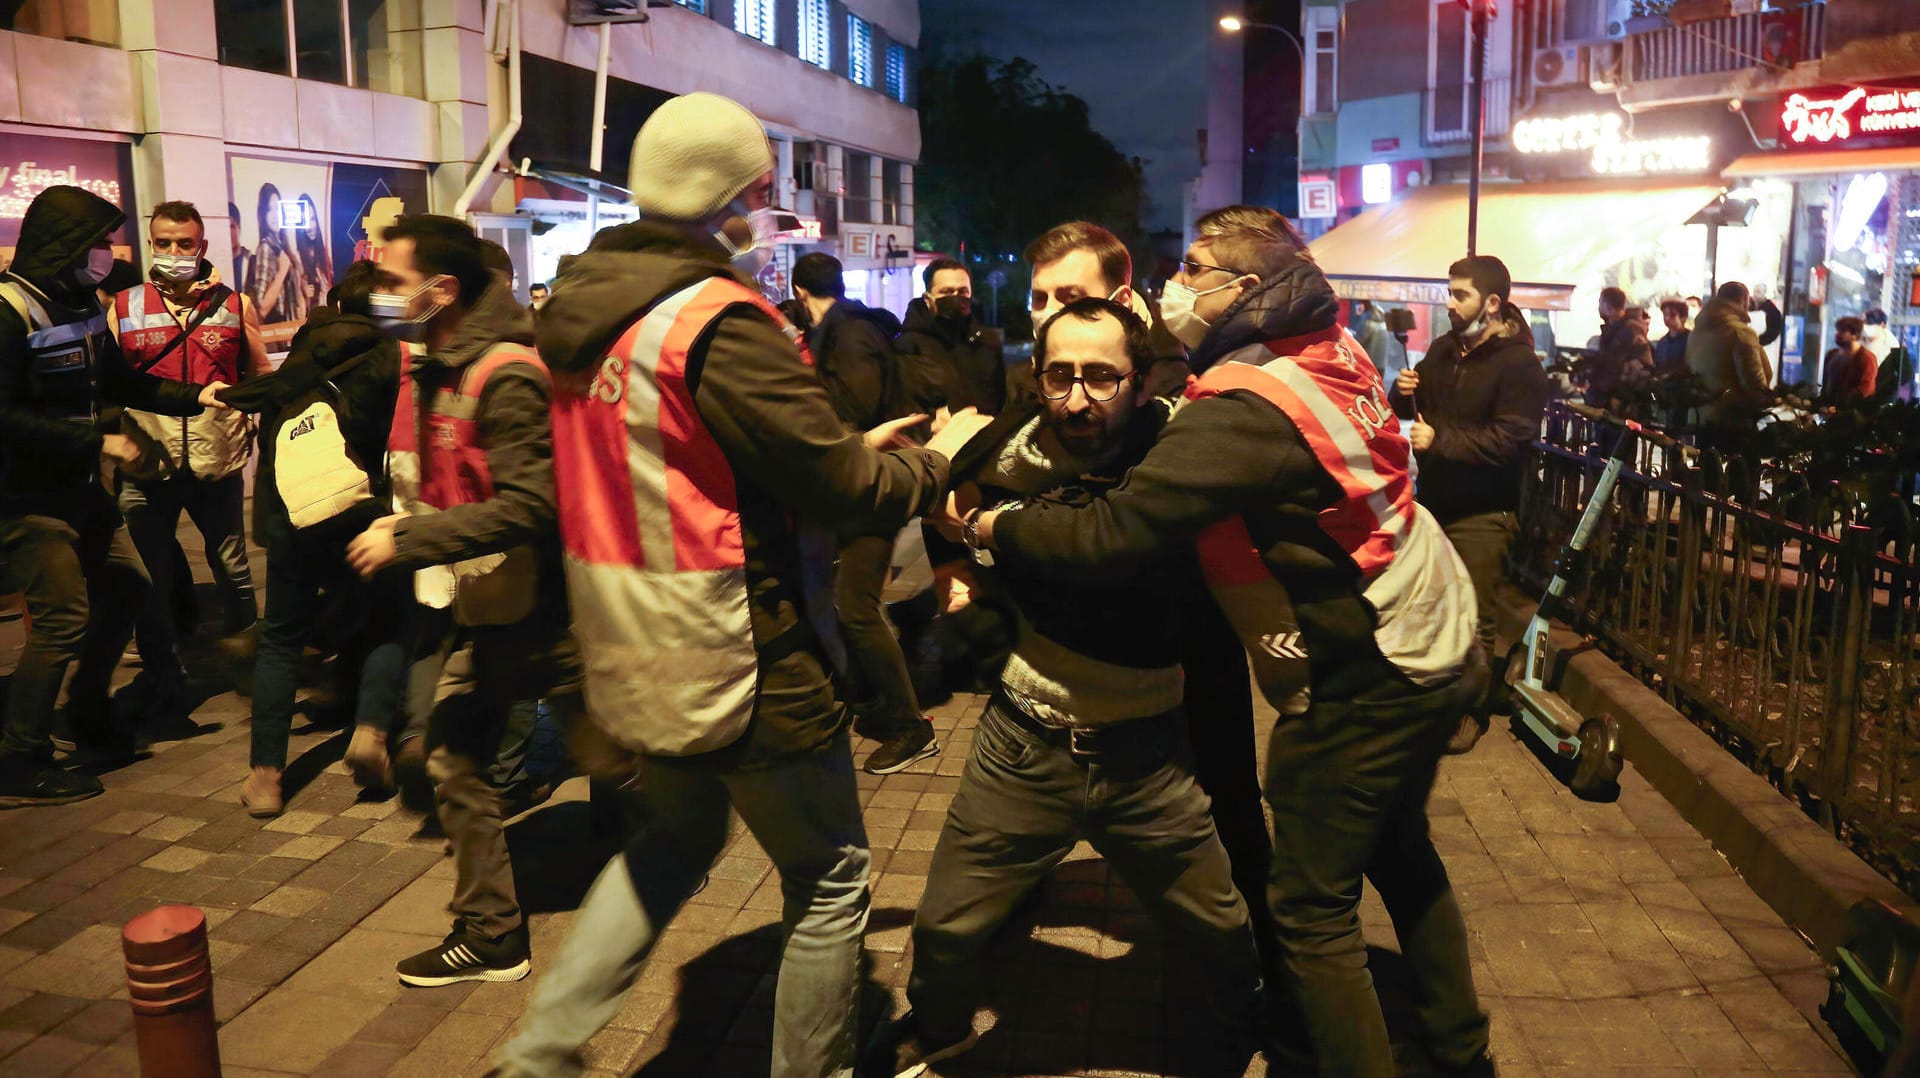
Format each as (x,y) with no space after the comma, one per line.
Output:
(1606,938)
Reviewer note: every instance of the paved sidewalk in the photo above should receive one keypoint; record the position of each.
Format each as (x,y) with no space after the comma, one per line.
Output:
(1607,937)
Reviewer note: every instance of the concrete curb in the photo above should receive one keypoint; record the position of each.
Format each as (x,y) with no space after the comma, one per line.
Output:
(1791,862)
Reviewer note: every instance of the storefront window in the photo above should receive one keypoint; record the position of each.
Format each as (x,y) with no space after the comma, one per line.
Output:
(94,22)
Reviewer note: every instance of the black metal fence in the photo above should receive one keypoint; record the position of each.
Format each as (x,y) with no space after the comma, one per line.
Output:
(1780,613)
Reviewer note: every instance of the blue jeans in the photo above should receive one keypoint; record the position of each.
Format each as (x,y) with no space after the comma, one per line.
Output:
(805,812)
(296,575)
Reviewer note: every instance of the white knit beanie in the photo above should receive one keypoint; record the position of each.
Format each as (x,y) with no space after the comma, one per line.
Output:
(695,154)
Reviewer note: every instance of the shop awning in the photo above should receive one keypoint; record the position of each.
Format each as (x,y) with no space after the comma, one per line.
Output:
(1552,236)
(1824,162)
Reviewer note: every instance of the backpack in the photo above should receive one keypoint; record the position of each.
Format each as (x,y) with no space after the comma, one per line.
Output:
(315,471)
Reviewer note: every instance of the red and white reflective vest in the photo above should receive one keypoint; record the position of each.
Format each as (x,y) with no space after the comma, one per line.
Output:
(1410,575)
(650,523)
(215,443)
(436,461)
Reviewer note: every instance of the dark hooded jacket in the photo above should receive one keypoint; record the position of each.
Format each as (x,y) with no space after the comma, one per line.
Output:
(363,397)
(789,453)
(951,363)
(1230,455)
(49,459)
(515,426)
(854,356)
(1484,408)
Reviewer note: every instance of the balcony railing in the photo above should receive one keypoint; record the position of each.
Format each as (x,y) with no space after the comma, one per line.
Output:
(1734,43)
(1773,601)
(1445,112)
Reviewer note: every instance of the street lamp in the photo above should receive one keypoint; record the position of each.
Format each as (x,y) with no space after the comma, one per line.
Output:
(1234,24)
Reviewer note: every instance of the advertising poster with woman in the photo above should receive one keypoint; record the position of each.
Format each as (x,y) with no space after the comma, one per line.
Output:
(302,223)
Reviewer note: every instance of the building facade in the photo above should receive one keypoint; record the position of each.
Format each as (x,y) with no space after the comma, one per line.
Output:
(1661,146)
(313,124)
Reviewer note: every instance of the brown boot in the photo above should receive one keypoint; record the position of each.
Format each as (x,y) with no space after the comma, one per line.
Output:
(367,758)
(261,793)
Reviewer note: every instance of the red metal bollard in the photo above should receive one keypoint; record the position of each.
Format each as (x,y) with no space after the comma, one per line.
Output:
(170,984)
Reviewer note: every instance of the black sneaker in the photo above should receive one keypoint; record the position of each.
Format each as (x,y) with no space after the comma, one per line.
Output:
(902,752)
(25,783)
(98,734)
(897,1051)
(461,957)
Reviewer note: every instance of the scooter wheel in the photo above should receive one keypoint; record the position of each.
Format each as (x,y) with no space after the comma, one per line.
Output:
(1596,777)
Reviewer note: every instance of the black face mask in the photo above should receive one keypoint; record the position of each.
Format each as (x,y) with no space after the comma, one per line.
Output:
(953,308)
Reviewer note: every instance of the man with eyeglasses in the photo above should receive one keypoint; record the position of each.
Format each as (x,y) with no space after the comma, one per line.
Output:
(1085,736)
(950,359)
(1289,475)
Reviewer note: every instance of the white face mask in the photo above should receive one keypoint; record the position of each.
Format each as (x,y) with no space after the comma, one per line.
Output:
(403,315)
(1045,314)
(99,263)
(757,252)
(1176,310)
(176,267)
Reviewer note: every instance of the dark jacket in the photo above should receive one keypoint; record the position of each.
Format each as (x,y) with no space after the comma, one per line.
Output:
(363,398)
(1670,354)
(1234,454)
(950,363)
(47,457)
(1484,408)
(789,453)
(1726,355)
(515,426)
(856,361)
(1621,366)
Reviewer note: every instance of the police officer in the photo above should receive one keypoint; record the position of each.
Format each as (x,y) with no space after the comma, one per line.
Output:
(183,325)
(61,538)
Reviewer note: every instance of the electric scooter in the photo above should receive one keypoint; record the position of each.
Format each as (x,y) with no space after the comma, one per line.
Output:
(1590,745)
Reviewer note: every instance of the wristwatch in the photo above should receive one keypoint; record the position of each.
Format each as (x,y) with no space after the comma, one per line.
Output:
(970,529)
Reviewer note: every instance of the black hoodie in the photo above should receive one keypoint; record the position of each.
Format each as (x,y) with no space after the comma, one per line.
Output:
(50,458)
(788,451)
(364,404)
(1230,455)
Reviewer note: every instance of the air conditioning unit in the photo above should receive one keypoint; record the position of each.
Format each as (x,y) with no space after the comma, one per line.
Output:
(1604,66)
(1556,67)
(1593,22)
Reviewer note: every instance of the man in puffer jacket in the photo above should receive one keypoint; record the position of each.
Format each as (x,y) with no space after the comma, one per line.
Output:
(62,541)
(1727,356)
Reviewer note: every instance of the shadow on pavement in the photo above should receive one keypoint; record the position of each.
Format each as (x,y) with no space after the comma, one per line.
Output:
(557,852)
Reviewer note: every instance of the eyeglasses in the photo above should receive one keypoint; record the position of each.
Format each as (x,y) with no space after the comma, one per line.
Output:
(1194,269)
(1100,383)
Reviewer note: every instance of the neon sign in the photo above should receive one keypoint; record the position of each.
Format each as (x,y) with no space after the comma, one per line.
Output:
(1604,134)
(1857,112)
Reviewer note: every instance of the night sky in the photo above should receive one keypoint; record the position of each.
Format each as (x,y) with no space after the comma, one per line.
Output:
(1139,64)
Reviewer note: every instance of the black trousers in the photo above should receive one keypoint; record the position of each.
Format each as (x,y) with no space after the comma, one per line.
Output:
(1348,782)
(83,582)
(887,707)
(1219,706)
